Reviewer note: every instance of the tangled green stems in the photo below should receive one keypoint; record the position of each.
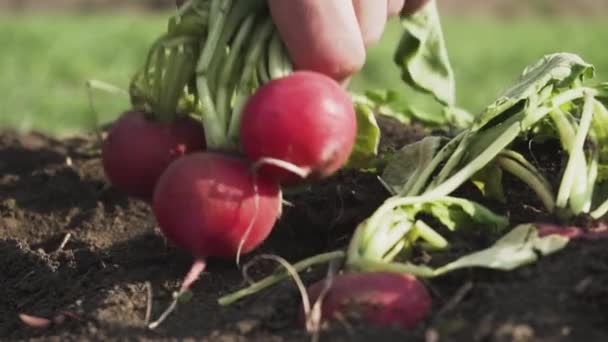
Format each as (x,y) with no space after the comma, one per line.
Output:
(214,55)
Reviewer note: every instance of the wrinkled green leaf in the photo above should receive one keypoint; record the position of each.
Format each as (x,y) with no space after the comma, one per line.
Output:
(365,149)
(393,104)
(458,213)
(396,221)
(405,166)
(559,70)
(458,117)
(422,55)
(520,247)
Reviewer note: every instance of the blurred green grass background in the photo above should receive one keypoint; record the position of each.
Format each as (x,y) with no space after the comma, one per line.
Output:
(47,58)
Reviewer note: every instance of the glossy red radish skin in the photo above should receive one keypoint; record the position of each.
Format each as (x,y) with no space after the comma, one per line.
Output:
(138,149)
(205,203)
(377,298)
(306,119)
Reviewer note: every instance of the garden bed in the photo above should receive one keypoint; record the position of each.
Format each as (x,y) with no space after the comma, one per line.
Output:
(52,189)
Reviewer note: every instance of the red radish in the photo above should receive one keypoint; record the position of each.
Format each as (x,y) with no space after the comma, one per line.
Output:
(205,202)
(213,205)
(138,149)
(305,119)
(378,298)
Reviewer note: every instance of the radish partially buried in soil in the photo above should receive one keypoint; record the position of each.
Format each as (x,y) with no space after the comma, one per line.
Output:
(138,149)
(213,205)
(377,298)
(300,127)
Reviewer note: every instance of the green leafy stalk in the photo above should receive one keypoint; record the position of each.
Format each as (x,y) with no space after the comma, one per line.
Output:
(448,150)
(247,85)
(533,179)
(277,67)
(181,59)
(262,67)
(519,247)
(430,236)
(422,55)
(365,151)
(455,158)
(214,128)
(237,15)
(228,70)
(464,174)
(219,11)
(406,164)
(574,168)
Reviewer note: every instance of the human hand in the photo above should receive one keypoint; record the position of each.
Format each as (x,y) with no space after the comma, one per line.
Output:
(332,36)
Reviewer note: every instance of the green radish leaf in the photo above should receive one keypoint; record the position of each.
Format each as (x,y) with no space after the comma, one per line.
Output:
(489,181)
(458,213)
(559,70)
(520,247)
(458,117)
(388,103)
(396,221)
(406,164)
(599,132)
(602,89)
(367,141)
(422,55)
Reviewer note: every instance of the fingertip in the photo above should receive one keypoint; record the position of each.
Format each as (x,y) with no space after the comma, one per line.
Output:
(394,7)
(372,16)
(320,35)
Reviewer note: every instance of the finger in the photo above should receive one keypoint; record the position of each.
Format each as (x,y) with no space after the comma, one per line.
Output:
(394,7)
(371,15)
(320,35)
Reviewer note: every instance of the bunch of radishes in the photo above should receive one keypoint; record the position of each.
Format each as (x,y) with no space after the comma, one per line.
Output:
(213,137)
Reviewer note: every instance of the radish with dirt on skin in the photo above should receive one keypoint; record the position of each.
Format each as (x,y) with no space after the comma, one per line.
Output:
(377,298)
(213,205)
(300,127)
(139,148)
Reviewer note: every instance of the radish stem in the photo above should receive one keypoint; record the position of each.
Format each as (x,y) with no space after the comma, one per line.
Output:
(533,180)
(224,89)
(452,183)
(430,235)
(279,276)
(447,150)
(572,168)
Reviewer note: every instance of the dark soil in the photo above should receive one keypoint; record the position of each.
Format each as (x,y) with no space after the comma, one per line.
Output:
(51,188)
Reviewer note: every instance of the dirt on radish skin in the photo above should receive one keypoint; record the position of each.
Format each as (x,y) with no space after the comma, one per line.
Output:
(306,119)
(138,149)
(376,298)
(206,203)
